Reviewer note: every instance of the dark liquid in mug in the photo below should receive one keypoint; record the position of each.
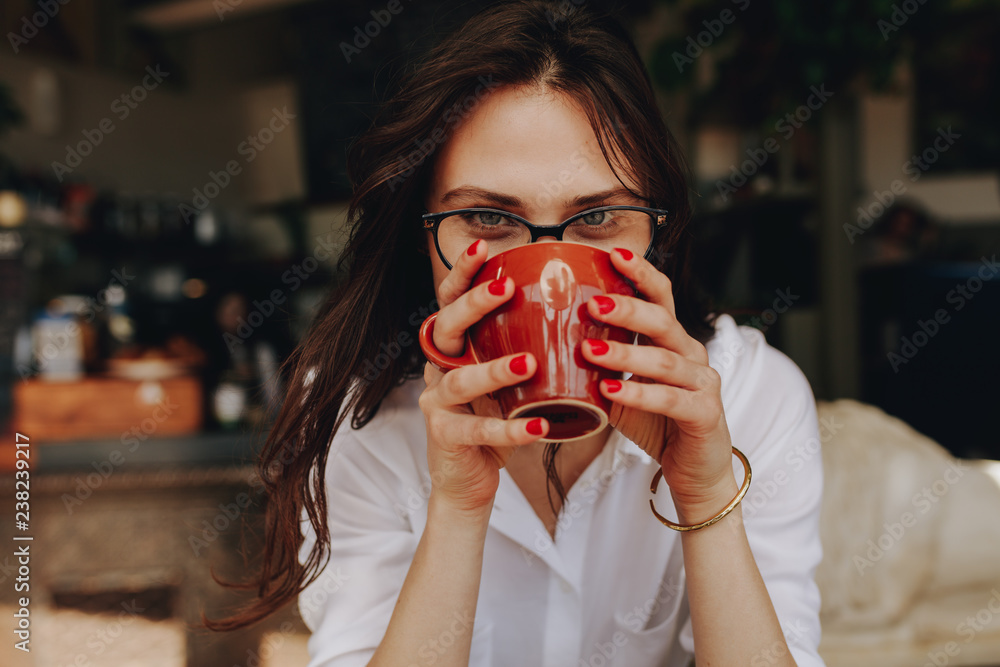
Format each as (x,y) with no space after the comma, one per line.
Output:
(565,421)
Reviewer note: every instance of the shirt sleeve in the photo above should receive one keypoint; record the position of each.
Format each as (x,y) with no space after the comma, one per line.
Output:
(371,547)
(776,427)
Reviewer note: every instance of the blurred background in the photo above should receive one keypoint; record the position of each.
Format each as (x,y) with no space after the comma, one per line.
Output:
(172,205)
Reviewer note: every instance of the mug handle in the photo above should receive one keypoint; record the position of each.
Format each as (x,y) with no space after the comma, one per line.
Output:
(443,362)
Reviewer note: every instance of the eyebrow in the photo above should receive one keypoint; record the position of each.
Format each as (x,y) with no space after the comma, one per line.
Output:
(500,200)
(598,198)
(495,199)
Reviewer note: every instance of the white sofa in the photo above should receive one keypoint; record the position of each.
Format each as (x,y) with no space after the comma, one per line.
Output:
(911,537)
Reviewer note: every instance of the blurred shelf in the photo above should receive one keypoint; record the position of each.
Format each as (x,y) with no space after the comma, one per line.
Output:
(201,451)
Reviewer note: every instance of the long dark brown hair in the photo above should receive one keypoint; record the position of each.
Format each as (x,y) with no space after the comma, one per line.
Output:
(389,287)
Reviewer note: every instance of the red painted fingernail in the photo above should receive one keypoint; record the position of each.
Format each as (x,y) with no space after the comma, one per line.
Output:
(519,365)
(597,346)
(497,287)
(612,386)
(626,254)
(472,248)
(604,304)
(534,427)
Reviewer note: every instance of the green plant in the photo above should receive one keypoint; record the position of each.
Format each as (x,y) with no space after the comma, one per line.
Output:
(764,59)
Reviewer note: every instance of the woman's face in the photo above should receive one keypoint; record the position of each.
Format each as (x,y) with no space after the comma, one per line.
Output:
(528,151)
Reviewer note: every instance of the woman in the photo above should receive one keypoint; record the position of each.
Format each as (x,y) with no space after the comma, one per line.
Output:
(432,535)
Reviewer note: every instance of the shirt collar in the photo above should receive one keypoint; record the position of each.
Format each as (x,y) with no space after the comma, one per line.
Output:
(617,447)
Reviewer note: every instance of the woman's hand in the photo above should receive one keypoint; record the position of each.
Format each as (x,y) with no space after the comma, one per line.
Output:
(672,405)
(465,450)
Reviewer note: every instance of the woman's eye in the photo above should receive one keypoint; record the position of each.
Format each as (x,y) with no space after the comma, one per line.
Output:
(490,218)
(596,218)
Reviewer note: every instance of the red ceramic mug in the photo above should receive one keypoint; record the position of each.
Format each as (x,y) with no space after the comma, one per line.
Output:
(548,317)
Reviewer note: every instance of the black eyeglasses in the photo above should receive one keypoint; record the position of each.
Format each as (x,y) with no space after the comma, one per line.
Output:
(605,227)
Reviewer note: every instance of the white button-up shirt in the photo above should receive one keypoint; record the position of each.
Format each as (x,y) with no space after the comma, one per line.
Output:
(610,588)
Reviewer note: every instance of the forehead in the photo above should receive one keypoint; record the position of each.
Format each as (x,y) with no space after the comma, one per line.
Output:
(533,143)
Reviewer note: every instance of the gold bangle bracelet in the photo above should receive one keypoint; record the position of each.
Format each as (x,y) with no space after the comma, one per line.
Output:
(718,517)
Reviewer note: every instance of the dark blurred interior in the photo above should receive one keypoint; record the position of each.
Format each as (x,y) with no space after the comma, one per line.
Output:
(173,197)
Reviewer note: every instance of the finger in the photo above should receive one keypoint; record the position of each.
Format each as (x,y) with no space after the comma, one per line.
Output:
(653,363)
(648,319)
(698,412)
(461,429)
(463,385)
(649,281)
(457,282)
(432,374)
(454,319)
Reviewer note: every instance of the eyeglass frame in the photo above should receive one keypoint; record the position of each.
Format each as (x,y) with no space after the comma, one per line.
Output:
(657,219)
